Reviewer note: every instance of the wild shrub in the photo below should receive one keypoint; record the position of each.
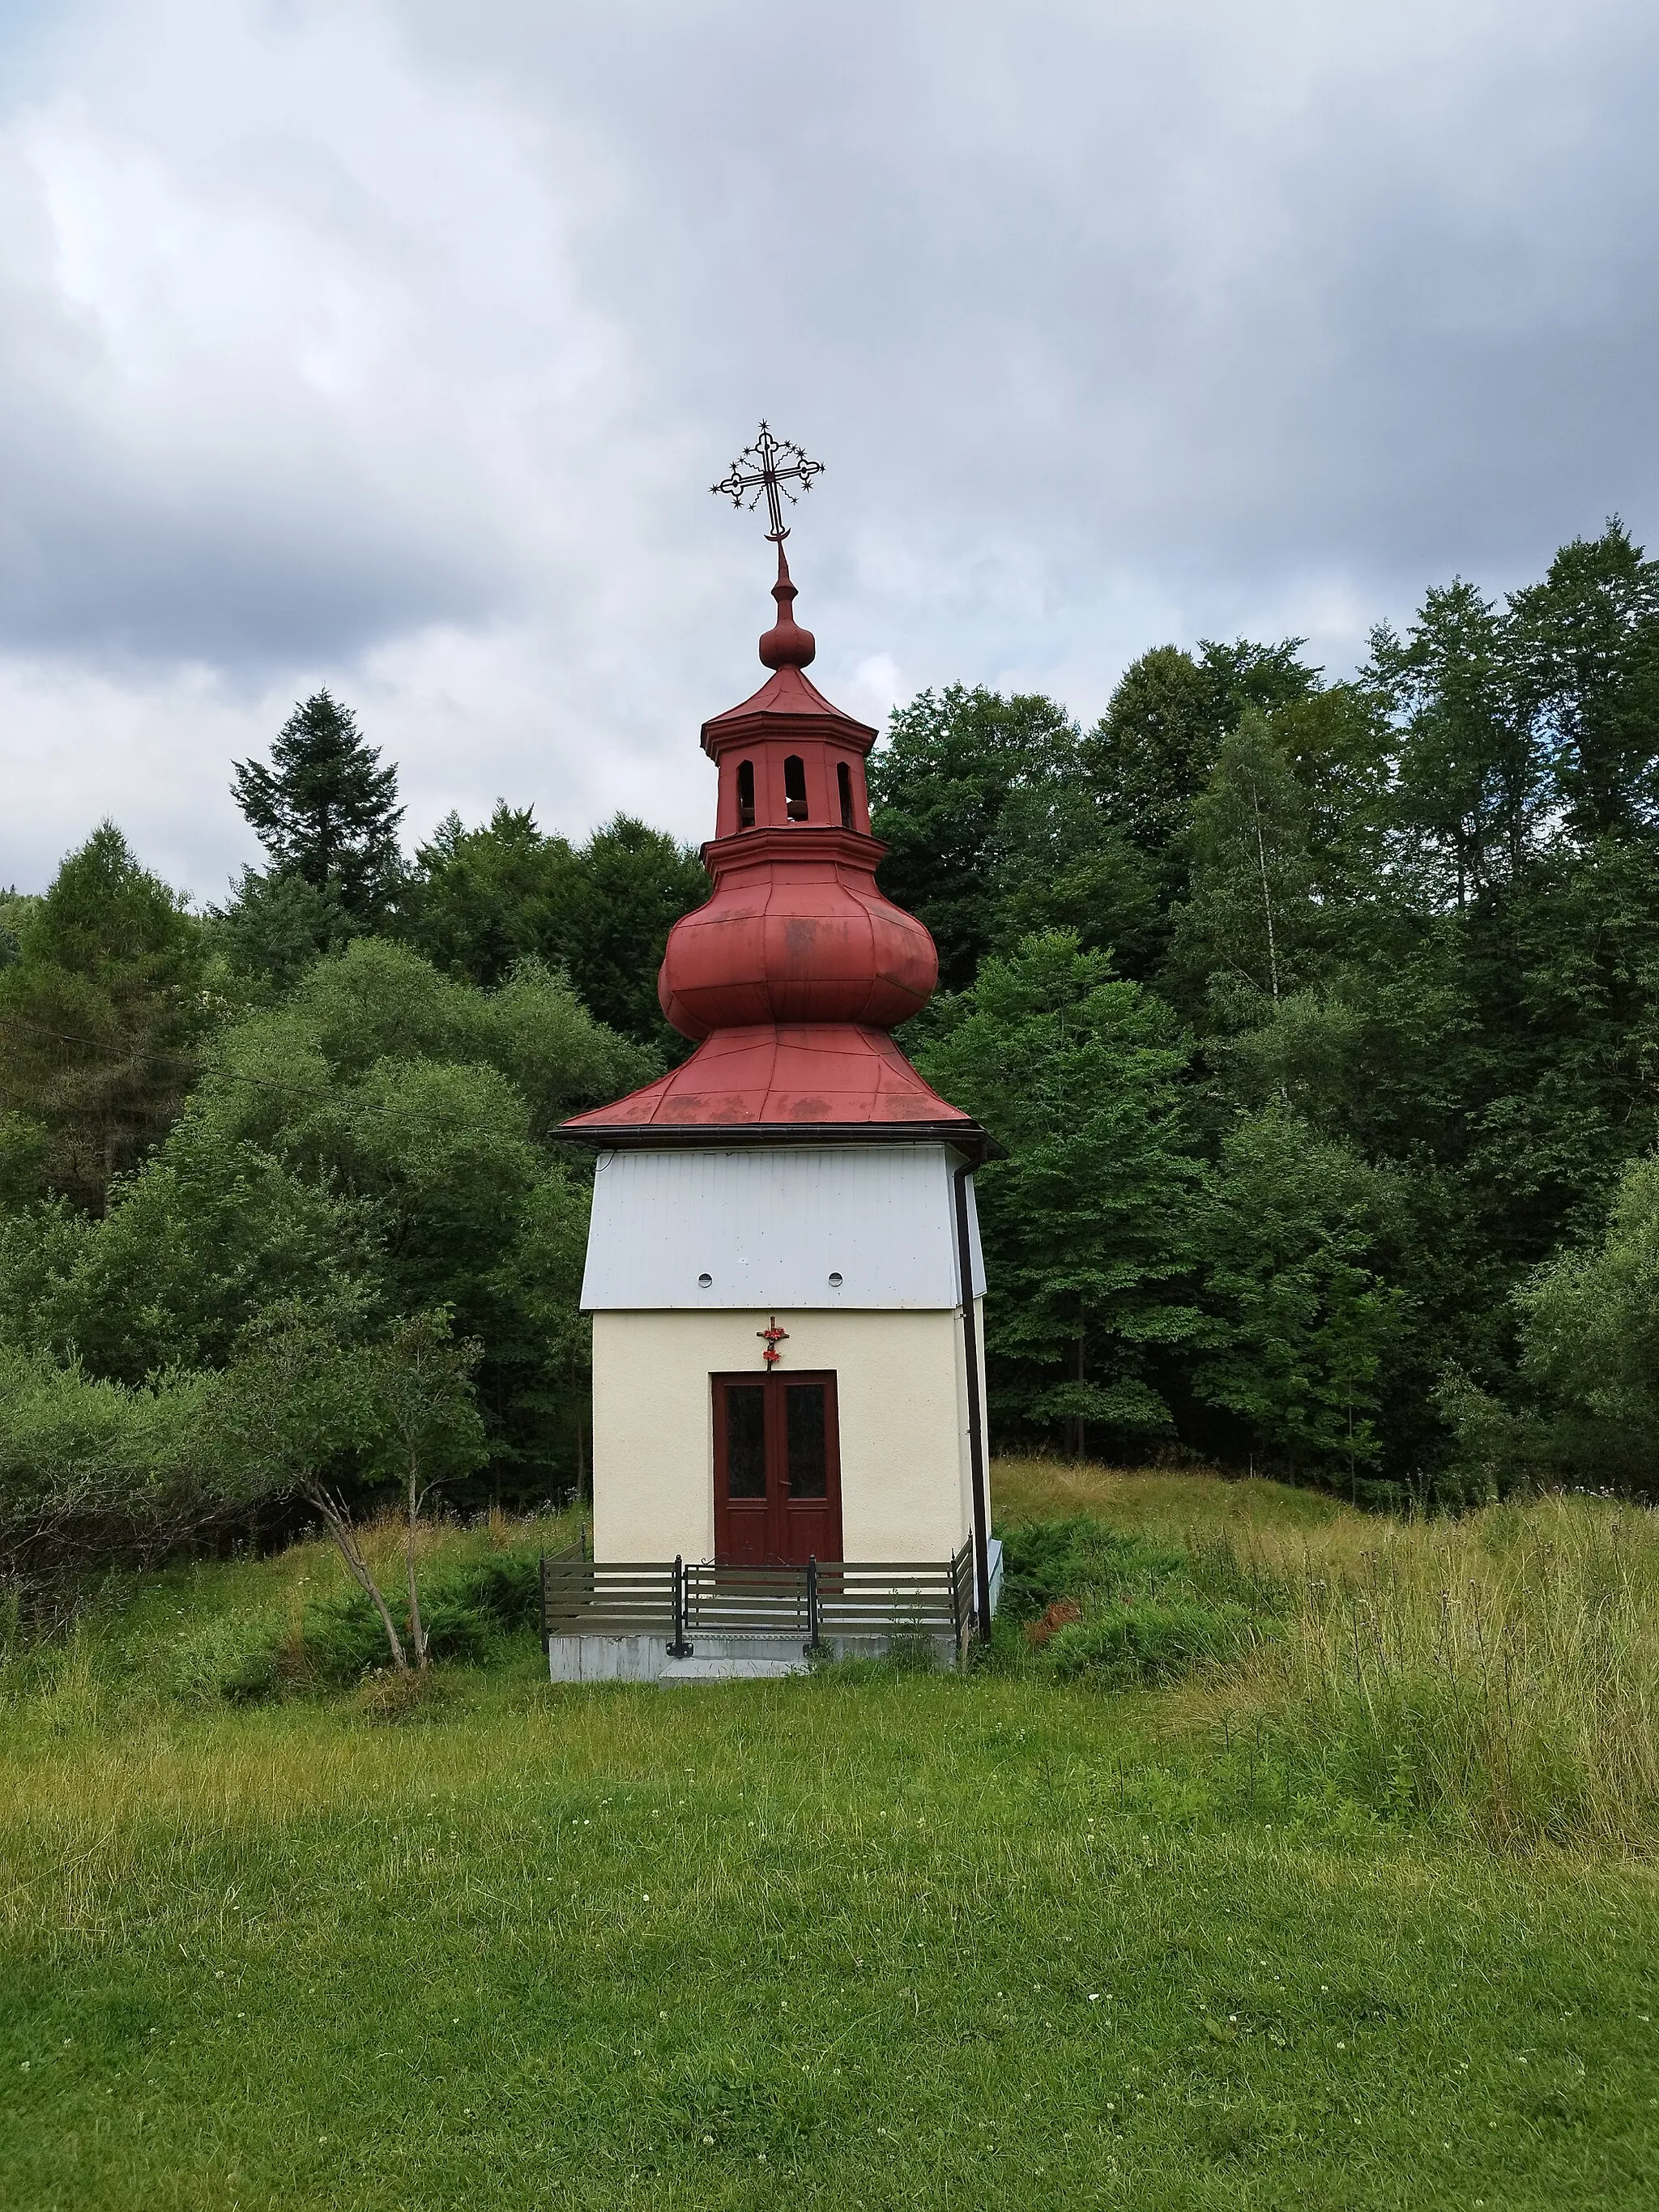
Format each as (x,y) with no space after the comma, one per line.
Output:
(468,1611)
(506,1588)
(1046,1560)
(1146,1641)
(1121,1609)
(92,1471)
(228,1658)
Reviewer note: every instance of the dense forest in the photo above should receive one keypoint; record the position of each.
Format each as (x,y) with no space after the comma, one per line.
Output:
(1318,1023)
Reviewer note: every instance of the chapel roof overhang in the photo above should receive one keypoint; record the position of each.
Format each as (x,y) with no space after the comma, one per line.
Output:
(805,1078)
(975,1144)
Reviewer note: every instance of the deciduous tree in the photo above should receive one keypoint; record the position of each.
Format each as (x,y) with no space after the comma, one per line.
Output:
(481,901)
(940,785)
(1289,1232)
(1155,748)
(1245,936)
(1088,1221)
(419,1387)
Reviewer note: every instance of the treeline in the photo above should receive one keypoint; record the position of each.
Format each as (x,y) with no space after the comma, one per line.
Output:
(1321,1022)
(1318,1022)
(324,1108)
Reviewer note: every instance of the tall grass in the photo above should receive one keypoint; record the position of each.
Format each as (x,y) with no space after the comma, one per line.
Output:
(207,1632)
(1501,1670)
(1500,1673)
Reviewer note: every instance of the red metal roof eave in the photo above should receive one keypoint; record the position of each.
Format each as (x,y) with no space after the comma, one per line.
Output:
(794,841)
(964,1136)
(781,701)
(789,1082)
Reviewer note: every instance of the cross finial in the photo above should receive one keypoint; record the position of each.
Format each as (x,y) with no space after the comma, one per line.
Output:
(769,465)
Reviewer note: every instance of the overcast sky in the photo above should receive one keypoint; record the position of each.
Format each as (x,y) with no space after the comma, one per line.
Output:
(394,347)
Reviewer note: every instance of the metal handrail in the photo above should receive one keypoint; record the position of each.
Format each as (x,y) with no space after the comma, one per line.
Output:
(679,1649)
(653,1597)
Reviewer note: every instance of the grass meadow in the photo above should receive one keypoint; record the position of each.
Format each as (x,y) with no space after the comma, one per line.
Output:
(1354,1907)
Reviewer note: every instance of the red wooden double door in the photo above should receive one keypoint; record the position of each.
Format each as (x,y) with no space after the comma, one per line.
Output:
(777,1469)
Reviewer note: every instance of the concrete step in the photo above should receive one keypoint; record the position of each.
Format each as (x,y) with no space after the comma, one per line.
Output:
(741,1667)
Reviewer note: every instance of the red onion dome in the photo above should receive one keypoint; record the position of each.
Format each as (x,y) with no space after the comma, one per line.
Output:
(796,932)
(792,975)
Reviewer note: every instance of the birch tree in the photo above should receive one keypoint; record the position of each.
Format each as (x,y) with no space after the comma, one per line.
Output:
(419,1396)
(1244,937)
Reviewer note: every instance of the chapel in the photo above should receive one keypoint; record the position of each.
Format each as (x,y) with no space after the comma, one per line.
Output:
(783,1268)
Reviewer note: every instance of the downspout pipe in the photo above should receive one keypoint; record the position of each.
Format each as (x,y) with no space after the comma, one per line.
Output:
(976,1411)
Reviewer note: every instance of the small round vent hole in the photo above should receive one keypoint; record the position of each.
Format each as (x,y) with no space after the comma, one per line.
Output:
(834,1282)
(705,1282)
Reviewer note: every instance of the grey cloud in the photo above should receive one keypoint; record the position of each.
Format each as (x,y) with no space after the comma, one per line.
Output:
(97,561)
(1168,319)
(1197,285)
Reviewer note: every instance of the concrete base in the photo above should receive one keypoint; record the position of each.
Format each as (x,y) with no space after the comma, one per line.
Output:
(606,1658)
(712,1658)
(744,1668)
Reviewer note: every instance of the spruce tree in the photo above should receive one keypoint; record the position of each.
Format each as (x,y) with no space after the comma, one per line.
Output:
(99,1014)
(326,810)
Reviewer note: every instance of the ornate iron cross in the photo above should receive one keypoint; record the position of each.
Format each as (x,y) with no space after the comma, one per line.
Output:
(772,1338)
(774,465)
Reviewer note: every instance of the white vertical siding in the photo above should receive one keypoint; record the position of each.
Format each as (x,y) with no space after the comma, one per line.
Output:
(772,1225)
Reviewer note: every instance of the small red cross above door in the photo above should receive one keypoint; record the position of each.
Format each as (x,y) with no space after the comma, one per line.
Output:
(772,1338)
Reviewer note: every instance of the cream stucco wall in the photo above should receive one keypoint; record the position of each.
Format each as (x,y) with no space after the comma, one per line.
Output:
(901,1389)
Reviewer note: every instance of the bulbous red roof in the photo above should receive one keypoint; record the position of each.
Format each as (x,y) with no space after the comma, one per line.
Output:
(792,975)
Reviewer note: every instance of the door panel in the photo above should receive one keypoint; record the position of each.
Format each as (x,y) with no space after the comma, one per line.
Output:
(806,1446)
(742,1513)
(777,1469)
(745,1440)
(811,1466)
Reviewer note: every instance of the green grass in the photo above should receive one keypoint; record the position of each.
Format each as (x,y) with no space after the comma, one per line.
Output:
(866,1940)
